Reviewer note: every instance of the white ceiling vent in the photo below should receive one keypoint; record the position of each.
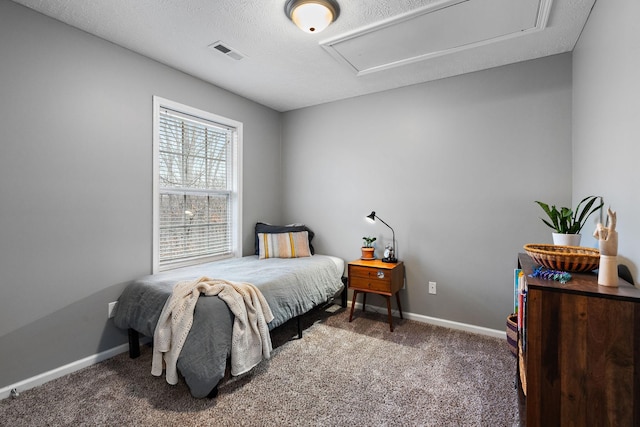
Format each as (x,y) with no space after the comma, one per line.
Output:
(442,28)
(227,50)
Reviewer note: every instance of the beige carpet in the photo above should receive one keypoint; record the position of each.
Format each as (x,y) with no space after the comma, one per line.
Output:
(340,373)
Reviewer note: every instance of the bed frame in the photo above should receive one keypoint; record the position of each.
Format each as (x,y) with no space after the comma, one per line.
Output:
(134,336)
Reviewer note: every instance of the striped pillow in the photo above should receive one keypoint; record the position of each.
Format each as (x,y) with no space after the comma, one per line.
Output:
(284,245)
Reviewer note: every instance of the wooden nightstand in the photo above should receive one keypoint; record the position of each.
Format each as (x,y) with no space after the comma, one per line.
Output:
(376,277)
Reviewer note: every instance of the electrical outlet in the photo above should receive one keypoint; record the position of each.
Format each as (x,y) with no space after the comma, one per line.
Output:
(432,287)
(112,306)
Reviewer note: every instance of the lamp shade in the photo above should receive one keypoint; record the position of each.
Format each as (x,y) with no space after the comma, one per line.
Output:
(312,16)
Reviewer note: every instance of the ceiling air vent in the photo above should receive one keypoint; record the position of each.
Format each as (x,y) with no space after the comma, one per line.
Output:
(227,50)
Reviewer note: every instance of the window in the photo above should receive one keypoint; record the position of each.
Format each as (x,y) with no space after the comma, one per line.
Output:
(196,208)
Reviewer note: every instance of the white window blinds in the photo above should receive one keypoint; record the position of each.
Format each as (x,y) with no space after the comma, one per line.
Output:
(195,188)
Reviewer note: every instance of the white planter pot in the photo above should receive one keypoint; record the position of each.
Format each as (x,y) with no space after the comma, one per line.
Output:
(566,239)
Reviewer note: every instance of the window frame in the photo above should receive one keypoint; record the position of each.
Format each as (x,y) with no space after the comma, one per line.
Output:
(235,182)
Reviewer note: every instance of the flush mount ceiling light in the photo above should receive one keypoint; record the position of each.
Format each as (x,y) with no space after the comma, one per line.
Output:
(312,16)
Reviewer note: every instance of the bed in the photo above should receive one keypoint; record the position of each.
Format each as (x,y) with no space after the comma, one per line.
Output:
(291,287)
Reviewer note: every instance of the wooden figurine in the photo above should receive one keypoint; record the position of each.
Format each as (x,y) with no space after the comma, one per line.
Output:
(608,242)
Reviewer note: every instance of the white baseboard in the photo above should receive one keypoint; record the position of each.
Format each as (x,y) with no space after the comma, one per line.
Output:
(40,379)
(439,322)
(61,371)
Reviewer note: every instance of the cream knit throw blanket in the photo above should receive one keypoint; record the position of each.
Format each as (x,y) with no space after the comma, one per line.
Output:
(250,337)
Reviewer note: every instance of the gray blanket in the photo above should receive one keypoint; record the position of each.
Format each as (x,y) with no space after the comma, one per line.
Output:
(291,287)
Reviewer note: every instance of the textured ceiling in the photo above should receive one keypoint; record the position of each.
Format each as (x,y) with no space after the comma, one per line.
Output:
(285,68)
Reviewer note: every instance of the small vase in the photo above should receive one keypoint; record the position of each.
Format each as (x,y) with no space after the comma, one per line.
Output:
(566,239)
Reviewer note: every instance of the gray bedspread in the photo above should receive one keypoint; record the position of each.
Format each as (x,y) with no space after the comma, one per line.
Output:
(291,287)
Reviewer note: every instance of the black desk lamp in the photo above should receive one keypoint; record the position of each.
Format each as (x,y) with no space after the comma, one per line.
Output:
(389,256)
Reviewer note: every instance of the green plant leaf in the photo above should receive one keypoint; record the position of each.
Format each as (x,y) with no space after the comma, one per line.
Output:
(552,213)
(368,241)
(582,216)
(565,220)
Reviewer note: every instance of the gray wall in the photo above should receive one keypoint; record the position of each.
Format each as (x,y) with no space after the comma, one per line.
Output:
(75,183)
(452,165)
(606,118)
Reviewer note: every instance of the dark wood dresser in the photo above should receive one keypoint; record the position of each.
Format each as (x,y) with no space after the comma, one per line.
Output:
(579,351)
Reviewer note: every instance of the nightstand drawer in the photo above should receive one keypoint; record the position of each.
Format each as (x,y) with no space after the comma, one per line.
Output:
(370,272)
(370,284)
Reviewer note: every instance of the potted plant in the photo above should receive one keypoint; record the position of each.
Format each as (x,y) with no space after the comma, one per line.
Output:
(568,223)
(367,248)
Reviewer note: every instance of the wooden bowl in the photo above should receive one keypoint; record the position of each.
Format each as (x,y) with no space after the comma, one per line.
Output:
(576,259)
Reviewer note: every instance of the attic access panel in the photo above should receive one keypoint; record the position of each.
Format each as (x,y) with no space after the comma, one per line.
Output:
(439,29)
